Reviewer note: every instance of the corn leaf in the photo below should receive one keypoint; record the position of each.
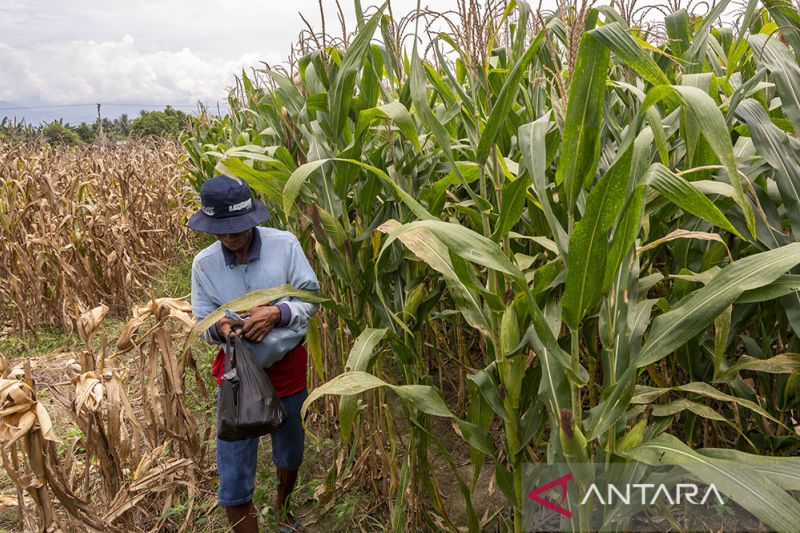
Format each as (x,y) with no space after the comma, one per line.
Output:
(775,147)
(580,148)
(704,115)
(422,397)
(624,235)
(620,42)
(740,481)
(785,72)
(427,247)
(534,153)
(676,406)
(298,178)
(343,84)
(315,346)
(697,50)
(704,389)
(588,244)
(612,408)
(360,359)
(783,286)
(397,113)
(677,26)
(788,19)
(268,182)
(511,206)
(505,101)
(683,194)
(465,243)
(788,363)
(783,471)
(254,299)
(674,328)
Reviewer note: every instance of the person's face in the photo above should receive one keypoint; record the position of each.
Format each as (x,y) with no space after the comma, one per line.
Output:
(236,242)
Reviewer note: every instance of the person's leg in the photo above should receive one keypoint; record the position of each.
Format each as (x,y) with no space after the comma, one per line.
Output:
(243,518)
(236,463)
(287,454)
(287,479)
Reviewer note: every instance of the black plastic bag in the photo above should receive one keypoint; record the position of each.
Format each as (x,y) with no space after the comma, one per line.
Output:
(248,405)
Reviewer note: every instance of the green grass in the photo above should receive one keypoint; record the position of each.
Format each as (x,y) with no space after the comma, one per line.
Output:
(52,340)
(348,512)
(176,281)
(39,343)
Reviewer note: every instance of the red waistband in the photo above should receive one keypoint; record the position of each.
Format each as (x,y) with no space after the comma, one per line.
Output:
(288,375)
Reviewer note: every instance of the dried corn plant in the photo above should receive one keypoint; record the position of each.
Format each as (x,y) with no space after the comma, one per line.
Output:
(24,427)
(160,373)
(85,225)
(135,450)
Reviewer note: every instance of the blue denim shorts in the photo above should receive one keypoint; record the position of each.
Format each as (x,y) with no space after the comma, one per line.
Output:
(237,459)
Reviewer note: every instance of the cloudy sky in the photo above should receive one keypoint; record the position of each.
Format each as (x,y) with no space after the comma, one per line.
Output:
(59,59)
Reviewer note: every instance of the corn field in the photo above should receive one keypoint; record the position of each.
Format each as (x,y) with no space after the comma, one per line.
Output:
(559,237)
(543,237)
(84,226)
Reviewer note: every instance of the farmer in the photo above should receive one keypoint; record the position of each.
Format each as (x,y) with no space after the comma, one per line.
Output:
(245,258)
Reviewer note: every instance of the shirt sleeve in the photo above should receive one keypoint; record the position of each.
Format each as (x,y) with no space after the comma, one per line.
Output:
(301,276)
(286,315)
(295,313)
(202,303)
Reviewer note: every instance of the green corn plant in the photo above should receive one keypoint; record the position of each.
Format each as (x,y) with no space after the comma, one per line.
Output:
(595,228)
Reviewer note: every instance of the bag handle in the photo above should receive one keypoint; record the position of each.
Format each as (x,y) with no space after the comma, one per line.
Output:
(230,353)
(230,346)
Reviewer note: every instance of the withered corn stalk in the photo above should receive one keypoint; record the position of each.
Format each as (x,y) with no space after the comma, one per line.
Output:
(84,225)
(24,427)
(139,451)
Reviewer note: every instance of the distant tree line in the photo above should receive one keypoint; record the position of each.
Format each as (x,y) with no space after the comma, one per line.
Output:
(167,123)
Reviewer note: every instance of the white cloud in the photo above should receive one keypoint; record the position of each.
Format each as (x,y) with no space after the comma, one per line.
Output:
(150,51)
(114,71)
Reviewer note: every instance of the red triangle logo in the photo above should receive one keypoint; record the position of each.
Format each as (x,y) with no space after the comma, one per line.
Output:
(562,482)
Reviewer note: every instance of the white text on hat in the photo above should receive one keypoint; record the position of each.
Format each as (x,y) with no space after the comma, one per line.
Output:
(247,204)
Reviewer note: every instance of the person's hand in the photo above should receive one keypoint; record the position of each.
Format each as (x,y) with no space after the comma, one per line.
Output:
(226,326)
(260,321)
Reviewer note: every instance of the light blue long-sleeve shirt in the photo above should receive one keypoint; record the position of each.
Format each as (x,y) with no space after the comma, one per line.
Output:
(276,259)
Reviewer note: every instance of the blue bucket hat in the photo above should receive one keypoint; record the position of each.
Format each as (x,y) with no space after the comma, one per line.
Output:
(227,207)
